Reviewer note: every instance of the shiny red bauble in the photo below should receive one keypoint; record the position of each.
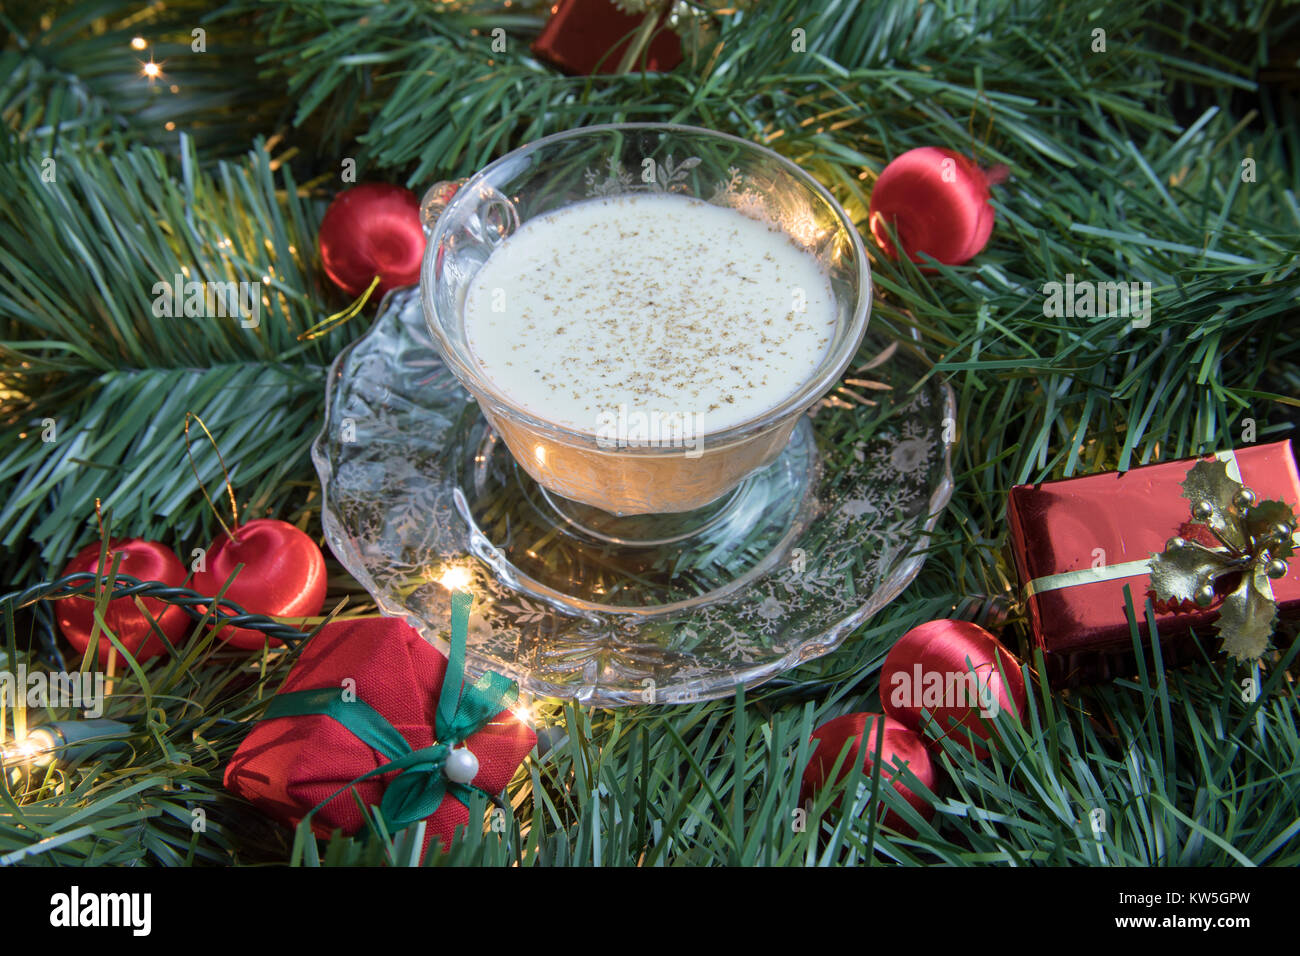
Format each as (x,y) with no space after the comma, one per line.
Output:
(898,746)
(957,672)
(937,202)
(372,230)
(147,561)
(283,575)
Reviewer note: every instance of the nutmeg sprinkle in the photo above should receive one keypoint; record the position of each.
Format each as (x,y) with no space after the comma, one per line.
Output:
(662,304)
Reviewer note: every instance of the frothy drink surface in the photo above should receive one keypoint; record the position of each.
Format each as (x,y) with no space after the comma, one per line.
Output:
(662,306)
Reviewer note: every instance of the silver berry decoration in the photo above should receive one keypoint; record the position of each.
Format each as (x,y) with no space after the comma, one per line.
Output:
(1276,569)
(1175,544)
(1202,510)
(1205,595)
(461,765)
(1243,499)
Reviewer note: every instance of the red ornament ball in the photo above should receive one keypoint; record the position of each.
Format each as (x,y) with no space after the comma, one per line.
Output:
(146,560)
(283,575)
(951,669)
(898,746)
(372,230)
(937,201)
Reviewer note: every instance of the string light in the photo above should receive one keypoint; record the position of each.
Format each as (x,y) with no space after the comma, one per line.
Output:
(138,43)
(65,740)
(34,750)
(151,70)
(523,712)
(455,578)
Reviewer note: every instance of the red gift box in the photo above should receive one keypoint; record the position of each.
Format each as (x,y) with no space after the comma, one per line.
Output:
(288,765)
(589,36)
(1079,541)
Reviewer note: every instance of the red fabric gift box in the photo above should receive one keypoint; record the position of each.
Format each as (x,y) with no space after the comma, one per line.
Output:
(1079,541)
(288,765)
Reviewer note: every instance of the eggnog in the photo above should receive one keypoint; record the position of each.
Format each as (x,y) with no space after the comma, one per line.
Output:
(648,319)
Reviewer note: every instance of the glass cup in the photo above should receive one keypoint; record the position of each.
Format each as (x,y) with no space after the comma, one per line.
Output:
(468,221)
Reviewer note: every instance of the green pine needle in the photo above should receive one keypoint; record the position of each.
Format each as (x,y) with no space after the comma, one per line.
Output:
(1125,166)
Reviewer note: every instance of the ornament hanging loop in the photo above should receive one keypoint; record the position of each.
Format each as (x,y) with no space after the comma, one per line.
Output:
(225,473)
(999,172)
(332,322)
(99,516)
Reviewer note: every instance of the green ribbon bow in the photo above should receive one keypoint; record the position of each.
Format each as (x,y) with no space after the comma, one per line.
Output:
(420,786)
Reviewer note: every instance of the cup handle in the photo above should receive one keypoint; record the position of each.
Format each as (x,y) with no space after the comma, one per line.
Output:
(435,201)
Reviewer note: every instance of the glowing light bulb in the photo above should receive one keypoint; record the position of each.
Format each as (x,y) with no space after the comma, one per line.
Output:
(455,578)
(138,43)
(34,749)
(151,70)
(523,712)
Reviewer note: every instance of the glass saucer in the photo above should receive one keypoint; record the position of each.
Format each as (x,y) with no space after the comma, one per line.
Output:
(573,602)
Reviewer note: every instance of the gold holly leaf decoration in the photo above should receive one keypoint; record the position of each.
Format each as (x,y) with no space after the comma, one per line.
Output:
(1209,486)
(1247,617)
(1177,573)
(1264,518)
(1257,538)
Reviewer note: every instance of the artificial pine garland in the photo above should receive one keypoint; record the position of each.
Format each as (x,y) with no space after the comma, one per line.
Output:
(1128,161)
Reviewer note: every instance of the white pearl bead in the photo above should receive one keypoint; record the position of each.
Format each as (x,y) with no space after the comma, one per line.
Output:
(461,765)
